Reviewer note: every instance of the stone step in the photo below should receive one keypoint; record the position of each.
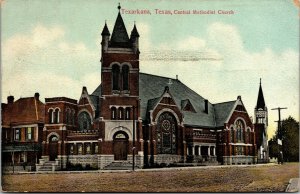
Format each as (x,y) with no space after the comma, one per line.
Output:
(119,165)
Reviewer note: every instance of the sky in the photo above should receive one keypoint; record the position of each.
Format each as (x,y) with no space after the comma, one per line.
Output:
(53,47)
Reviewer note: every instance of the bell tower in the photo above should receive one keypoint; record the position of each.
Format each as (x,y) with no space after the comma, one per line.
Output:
(261,125)
(120,60)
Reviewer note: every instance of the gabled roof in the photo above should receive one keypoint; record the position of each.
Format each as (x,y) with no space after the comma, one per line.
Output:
(222,111)
(260,100)
(119,35)
(97,92)
(152,86)
(185,103)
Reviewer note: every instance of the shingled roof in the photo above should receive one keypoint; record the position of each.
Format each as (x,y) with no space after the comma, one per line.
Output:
(24,111)
(222,111)
(119,35)
(152,86)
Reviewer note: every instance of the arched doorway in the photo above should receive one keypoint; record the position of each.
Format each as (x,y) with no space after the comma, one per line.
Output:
(53,147)
(120,145)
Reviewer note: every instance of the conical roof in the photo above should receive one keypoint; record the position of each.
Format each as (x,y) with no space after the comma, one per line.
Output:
(260,100)
(134,32)
(105,30)
(119,34)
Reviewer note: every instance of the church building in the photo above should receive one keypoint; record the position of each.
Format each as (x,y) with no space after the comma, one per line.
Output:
(157,120)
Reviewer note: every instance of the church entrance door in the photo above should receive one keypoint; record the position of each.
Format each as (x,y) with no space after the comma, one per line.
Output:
(120,146)
(53,147)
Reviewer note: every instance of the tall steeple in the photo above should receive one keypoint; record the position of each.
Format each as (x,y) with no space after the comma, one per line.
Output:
(260,100)
(261,111)
(119,35)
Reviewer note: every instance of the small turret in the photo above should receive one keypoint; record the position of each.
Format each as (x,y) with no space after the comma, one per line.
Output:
(105,38)
(134,38)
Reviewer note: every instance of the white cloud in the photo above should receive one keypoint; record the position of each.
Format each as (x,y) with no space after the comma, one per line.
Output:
(43,61)
(237,73)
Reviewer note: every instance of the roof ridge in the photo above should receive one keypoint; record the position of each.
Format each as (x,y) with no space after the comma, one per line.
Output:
(159,76)
(224,102)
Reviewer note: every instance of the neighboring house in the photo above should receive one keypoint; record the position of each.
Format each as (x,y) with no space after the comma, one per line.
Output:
(169,122)
(22,125)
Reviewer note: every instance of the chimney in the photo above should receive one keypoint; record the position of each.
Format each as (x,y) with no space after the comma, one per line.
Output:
(176,77)
(239,98)
(10,99)
(206,106)
(37,96)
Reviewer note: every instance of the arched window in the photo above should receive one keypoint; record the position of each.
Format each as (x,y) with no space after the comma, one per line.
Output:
(51,116)
(84,121)
(71,148)
(248,134)
(125,76)
(79,149)
(73,117)
(113,113)
(121,113)
(115,76)
(96,149)
(166,134)
(127,113)
(67,116)
(239,126)
(56,116)
(231,135)
(88,149)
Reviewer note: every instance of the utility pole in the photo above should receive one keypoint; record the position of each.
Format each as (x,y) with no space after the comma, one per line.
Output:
(279,126)
(133,138)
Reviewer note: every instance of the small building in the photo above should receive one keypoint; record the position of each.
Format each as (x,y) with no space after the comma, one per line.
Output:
(22,125)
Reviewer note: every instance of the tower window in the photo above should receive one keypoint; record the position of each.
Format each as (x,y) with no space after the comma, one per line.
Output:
(127,112)
(113,113)
(115,76)
(121,113)
(50,116)
(125,76)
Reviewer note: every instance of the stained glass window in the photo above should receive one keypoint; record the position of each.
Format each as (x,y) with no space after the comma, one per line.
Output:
(239,131)
(84,121)
(166,134)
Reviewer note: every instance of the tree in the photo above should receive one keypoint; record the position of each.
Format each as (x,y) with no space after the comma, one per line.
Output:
(289,133)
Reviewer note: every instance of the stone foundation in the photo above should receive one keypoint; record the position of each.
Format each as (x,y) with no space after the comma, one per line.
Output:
(92,160)
(228,160)
(166,158)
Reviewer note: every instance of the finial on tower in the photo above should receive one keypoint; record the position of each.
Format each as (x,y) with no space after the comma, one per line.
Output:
(259,81)
(119,7)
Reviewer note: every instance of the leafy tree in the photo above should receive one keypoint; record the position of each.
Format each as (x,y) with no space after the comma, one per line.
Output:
(289,134)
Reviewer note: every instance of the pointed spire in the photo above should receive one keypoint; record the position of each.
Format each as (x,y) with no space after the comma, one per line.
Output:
(134,32)
(105,30)
(119,34)
(260,100)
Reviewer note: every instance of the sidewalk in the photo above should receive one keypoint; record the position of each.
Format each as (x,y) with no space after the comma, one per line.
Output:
(293,186)
(145,170)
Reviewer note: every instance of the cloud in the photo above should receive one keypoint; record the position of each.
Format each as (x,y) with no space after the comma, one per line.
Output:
(42,60)
(237,71)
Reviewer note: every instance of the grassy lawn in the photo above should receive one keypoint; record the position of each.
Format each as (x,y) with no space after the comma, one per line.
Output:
(234,179)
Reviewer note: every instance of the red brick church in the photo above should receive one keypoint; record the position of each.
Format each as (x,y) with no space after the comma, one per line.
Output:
(158,120)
